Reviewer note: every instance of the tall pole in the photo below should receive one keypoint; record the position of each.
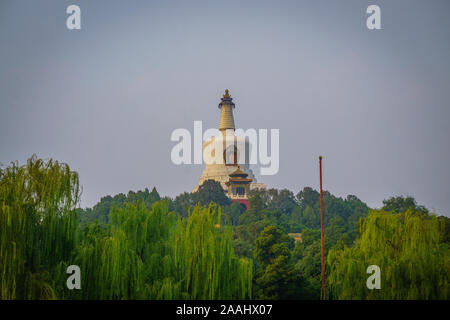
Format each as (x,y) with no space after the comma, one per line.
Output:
(321,231)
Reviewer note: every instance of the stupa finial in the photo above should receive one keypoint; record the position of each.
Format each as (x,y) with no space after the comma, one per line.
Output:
(226,115)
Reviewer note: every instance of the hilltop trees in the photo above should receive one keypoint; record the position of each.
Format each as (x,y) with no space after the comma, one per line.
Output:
(211,191)
(402,204)
(100,211)
(350,209)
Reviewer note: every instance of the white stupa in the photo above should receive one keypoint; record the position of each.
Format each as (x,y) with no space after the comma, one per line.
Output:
(236,153)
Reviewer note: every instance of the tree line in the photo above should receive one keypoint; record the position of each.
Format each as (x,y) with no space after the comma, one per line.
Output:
(199,245)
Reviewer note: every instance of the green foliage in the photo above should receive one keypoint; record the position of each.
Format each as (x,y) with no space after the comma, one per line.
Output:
(350,209)
(277,278)
(402,204)
(270,244)
(258,200)
(293,214)
(444,229)
(100,212)
(232,213)
(132,252)
(182,204)
(282,200)
(38,226)
(205,258)
(137,246)
(153,254)
(296,214)
(211,191)
(132,259)
(407,247)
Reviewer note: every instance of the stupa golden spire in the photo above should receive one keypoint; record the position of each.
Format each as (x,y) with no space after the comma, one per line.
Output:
(226,115)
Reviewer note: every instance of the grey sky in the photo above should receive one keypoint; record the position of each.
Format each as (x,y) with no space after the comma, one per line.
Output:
(105,99)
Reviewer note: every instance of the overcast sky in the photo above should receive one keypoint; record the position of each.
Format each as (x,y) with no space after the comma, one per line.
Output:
(105,99)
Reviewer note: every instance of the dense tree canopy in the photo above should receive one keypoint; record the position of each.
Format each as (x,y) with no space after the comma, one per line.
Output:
(153,254)
(100,211)
(402,204)
(201,246)
(134,248)
(277,278)
(409,250)
(211,191)
(38,226)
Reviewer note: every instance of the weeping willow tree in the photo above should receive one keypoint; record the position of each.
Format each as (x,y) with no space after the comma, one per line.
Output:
(153,254)
(205,260)
(142,254)
(38,226)
(414,262)
(131,259)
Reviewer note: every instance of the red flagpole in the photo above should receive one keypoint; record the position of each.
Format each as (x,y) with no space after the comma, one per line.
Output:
(321,231)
